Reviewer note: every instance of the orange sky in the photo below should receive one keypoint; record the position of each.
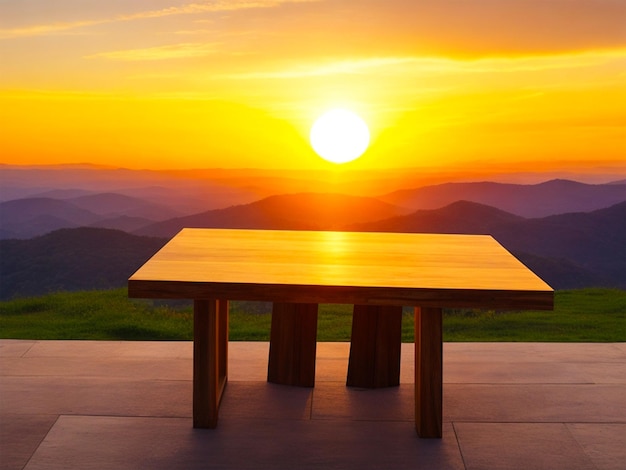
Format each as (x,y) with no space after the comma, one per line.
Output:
(175,84)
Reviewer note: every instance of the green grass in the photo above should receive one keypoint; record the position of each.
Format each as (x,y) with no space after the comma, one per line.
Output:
(92,315)
(585,315)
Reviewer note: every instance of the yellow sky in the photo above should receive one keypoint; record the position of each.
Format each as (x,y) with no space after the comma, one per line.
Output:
(175,84)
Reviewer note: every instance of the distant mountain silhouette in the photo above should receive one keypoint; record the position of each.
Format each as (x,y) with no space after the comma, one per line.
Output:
(538,200)
(30,217)
(578,248)
(568,250)
(123,222)
(25,218)
(72,259)
(595,241)
(459,217)
(62,193)
(305,211)
(189,191)
(114,204)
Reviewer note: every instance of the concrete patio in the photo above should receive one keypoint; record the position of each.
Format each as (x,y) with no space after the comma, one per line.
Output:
(123,405)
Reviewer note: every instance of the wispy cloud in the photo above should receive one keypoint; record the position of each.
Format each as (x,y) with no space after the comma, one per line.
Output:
(171,51)
(187,9)
(192,32)
(436,65)
(335,68)
(47,29)
(216,6)
(581,59)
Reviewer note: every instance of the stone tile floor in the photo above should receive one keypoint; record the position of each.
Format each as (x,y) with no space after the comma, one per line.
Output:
(127,405)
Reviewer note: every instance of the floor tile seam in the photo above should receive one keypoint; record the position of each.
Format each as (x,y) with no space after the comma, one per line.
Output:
(531,384)
(536,384)
(318,420)
(450,357)
(329,418)
(558,421)
(33,344)
(352,419)
(271,419)
(18,414)
(458,444)
(43,438)
(98,358)
(578,362)
(108,378)
(529,362)
(448,363)
(581,448)
(596,423)
(277,385)
(566,426)
(125,415)
(447,360)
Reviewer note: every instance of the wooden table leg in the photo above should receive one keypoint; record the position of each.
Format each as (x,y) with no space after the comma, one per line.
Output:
(293,341)
(375,346)
(210,359)
(428,371)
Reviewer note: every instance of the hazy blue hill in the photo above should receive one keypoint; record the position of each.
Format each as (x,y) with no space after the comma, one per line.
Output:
(123,222)
(72,259)
(292,211)
(329,210)
(25,218)
(36,226)
(594,240)
(114,204)
(232,217)
(458,217)
(30,217)
(561,273)
(64,193)
(538,200)
(187,191)
(568,250)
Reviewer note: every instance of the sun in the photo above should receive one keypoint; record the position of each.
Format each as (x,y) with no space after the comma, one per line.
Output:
(339,136)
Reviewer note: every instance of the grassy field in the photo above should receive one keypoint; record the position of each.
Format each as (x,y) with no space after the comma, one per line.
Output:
(586,315)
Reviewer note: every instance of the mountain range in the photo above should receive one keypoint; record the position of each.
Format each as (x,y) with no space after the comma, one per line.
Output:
(535,200)
(67,208)
(568,251)
(96,233)
(29,217)
(303,211)
(72,259)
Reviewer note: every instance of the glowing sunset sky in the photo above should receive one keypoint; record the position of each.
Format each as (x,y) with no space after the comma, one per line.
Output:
(172,84)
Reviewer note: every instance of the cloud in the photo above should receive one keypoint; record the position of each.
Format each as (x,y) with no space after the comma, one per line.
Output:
(172,51)
(187,9)
(436,65)
(217,6)
(47,29)
(335,68)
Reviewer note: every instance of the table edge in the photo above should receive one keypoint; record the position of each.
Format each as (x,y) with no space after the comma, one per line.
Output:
(424,297)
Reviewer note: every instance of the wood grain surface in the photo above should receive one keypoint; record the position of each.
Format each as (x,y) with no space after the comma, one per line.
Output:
(340,267)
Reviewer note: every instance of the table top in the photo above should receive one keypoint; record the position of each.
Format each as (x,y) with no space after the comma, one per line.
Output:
(341,267)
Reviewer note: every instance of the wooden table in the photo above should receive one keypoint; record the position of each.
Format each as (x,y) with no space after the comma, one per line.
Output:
(296,270)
